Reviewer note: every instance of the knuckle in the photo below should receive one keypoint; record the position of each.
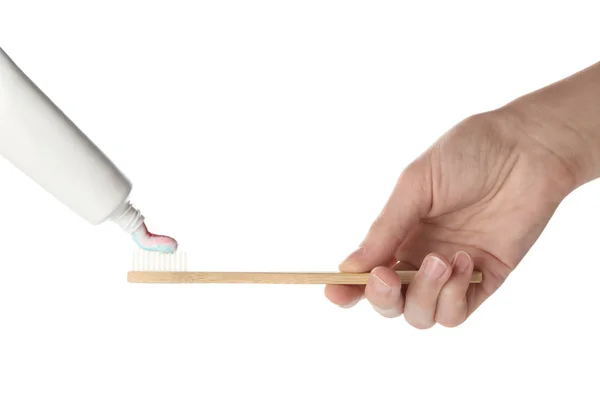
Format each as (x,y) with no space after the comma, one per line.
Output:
(451,294)
(381,224)
(452,316)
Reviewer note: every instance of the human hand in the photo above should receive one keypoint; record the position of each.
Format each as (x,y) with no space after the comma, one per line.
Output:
(479,197)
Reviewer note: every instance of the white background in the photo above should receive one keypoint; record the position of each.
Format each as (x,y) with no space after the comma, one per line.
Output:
(266,135)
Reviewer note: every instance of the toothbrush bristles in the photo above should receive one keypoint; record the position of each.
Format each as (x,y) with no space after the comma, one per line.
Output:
(152,261)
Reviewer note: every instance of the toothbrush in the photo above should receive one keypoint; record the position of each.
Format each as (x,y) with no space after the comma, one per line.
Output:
(172,268)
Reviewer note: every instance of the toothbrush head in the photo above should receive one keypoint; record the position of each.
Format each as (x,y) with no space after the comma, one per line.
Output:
(144,260)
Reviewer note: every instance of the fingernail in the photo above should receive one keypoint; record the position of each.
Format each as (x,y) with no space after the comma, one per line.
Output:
(461,261)
(379,286)
(434,268)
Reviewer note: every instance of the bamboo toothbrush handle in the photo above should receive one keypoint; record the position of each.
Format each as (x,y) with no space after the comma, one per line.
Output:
(315,278)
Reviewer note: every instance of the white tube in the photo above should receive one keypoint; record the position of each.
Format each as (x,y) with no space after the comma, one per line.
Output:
(38,139)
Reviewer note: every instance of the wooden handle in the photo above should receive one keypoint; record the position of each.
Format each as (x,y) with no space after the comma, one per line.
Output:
(314,278)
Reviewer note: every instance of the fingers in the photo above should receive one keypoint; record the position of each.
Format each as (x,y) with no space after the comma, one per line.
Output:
(452,302)
(384,292)
(345,296)
(423,291)
(408,203)
(437,293)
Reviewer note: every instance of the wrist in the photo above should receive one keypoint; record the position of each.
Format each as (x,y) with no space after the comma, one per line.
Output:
(558,152)
(561,124)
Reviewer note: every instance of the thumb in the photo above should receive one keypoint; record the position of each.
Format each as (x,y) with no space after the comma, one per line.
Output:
(409,202)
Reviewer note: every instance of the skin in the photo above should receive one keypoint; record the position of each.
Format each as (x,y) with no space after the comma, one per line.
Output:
(479,197)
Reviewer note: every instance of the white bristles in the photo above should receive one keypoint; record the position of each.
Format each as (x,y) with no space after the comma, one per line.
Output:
(152,261)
